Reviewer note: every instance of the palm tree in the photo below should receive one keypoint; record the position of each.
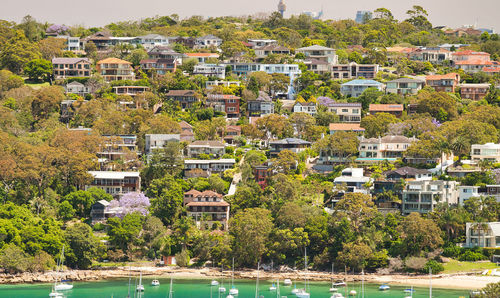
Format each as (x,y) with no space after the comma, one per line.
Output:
(459,146)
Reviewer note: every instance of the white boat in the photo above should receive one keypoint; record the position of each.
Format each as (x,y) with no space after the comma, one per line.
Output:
(339,284)
(214,283)
(222,289)
(233,291)
(63,285)
(140,286)
(337,295)
(56,294)
(295,290)
(155,283)
(384,288)
(333,288)
(353,293)
(287,282)
(302,293)
(272,287)
(229,296)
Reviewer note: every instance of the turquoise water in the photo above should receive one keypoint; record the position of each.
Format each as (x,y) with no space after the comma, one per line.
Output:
(184,288)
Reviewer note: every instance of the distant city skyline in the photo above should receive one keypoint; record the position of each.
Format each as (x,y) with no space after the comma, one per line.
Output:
(90,13)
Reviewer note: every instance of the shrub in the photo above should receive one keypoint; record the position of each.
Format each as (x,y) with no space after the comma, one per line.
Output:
(434,265)
(99,227)
(182,258)
(472,256)
(452,251)
(415,264)
(13,259)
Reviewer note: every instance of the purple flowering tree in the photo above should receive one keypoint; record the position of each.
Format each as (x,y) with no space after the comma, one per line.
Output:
(59,29)
(129,203)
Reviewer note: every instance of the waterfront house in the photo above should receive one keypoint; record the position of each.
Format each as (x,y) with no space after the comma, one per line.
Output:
(353,180)
(207,41)
(204,167)
(158,66)
(115,183)
(76,88)
(482,234)
(261,106)
(229,104)
(210,70)
(422,196)
(208,209)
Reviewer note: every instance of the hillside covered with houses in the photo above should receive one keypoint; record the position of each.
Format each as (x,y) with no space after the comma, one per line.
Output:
(372,143)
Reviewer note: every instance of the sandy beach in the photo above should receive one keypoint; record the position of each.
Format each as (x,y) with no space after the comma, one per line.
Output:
(471,280)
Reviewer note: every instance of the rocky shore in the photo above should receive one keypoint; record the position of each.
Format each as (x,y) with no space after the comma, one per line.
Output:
(457,281)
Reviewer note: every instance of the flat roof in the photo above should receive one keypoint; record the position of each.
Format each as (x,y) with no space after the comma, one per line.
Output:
(112,175)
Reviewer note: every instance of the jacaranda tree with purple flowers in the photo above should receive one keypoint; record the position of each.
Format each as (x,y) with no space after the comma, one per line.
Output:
(131,202)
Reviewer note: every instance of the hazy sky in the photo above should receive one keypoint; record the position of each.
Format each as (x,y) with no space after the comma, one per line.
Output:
(452,13)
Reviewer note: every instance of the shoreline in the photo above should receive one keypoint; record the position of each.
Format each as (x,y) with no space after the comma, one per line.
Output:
(464,280)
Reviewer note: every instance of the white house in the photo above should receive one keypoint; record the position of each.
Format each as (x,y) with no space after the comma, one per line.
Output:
(466,192)
(319,52)
(210,70)
(388,147)
(482,234)
(158,141)
(354,180)
(488,152)
(423,196)
(305,107)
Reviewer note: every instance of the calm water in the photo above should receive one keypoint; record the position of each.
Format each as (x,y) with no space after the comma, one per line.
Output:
(184,288)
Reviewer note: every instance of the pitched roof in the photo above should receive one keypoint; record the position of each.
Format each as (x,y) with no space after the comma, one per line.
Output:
(473,62)
(469,52)
(202,55)
(315,48)
(386,107)
(344,104)
(406,80)
(113,60)
(448,76)
(219,203)
(193,192)
(180,92)
(345,127)
(206,143)
(183,124)
(209,193)
(273,47)
(389,139)
(293,141)
(407,171)
(69,60)
(362,82)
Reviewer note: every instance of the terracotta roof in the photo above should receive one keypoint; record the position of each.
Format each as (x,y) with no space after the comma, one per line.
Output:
(469,52)
(184,124)
(233,128)
(345,127)
(386,107)
(491,69)
(113,60)
(193,192)
(209,193)
(202,55)
(473,62)
(219,203)
(180,92)
(450,76)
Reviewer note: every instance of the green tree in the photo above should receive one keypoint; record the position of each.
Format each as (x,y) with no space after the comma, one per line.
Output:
(17,52)
(13,259)
(377,125)
(419,234)
(250,230)
(166,198)
(82,246)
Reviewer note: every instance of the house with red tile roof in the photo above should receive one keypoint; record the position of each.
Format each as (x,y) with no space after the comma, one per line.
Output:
(356,127)
(394,109)
(207,208)
(443,83)
(472,61)
(114,69)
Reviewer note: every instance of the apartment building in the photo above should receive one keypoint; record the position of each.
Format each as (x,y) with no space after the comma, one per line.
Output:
(114,69)
(487,152)
(423,196)
(474,92)
(320,53)
(354,71)
(71,67)
(115,183)
(355,88)
(404,86)
(207,208)
(210,70)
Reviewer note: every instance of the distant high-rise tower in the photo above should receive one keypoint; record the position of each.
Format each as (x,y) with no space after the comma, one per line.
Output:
(282,7)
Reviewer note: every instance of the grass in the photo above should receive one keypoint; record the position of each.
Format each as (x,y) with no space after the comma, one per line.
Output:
(36,85)
(455,266)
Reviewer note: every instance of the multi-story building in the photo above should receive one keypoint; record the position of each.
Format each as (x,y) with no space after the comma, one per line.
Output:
(353,180)
(263,52)
(471,61)
(207,41)
(187,132)
(290,70)
(487,152)
(115,183)
(423,196)
(158,66)
(114,69)
(432,55)
(229,104)
(207,208)
(210,70)
(152,40)
(71,67)
(261,106)
(354,71)
(318,66)
(383,148)
(293,144)
(443,83)
(157,141)
(165,52)
(211,84)
(261,173)
(474,91)
(258,43)
(466,192)
(347,111)
(482,234)
(205,167)
(305,107)
(76,88)
(232,131)
(115,147)
(355,88)
(211,148)
(404,86)
(130,90)
(394,109)
(320,53)
(201,57)
(185,98)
